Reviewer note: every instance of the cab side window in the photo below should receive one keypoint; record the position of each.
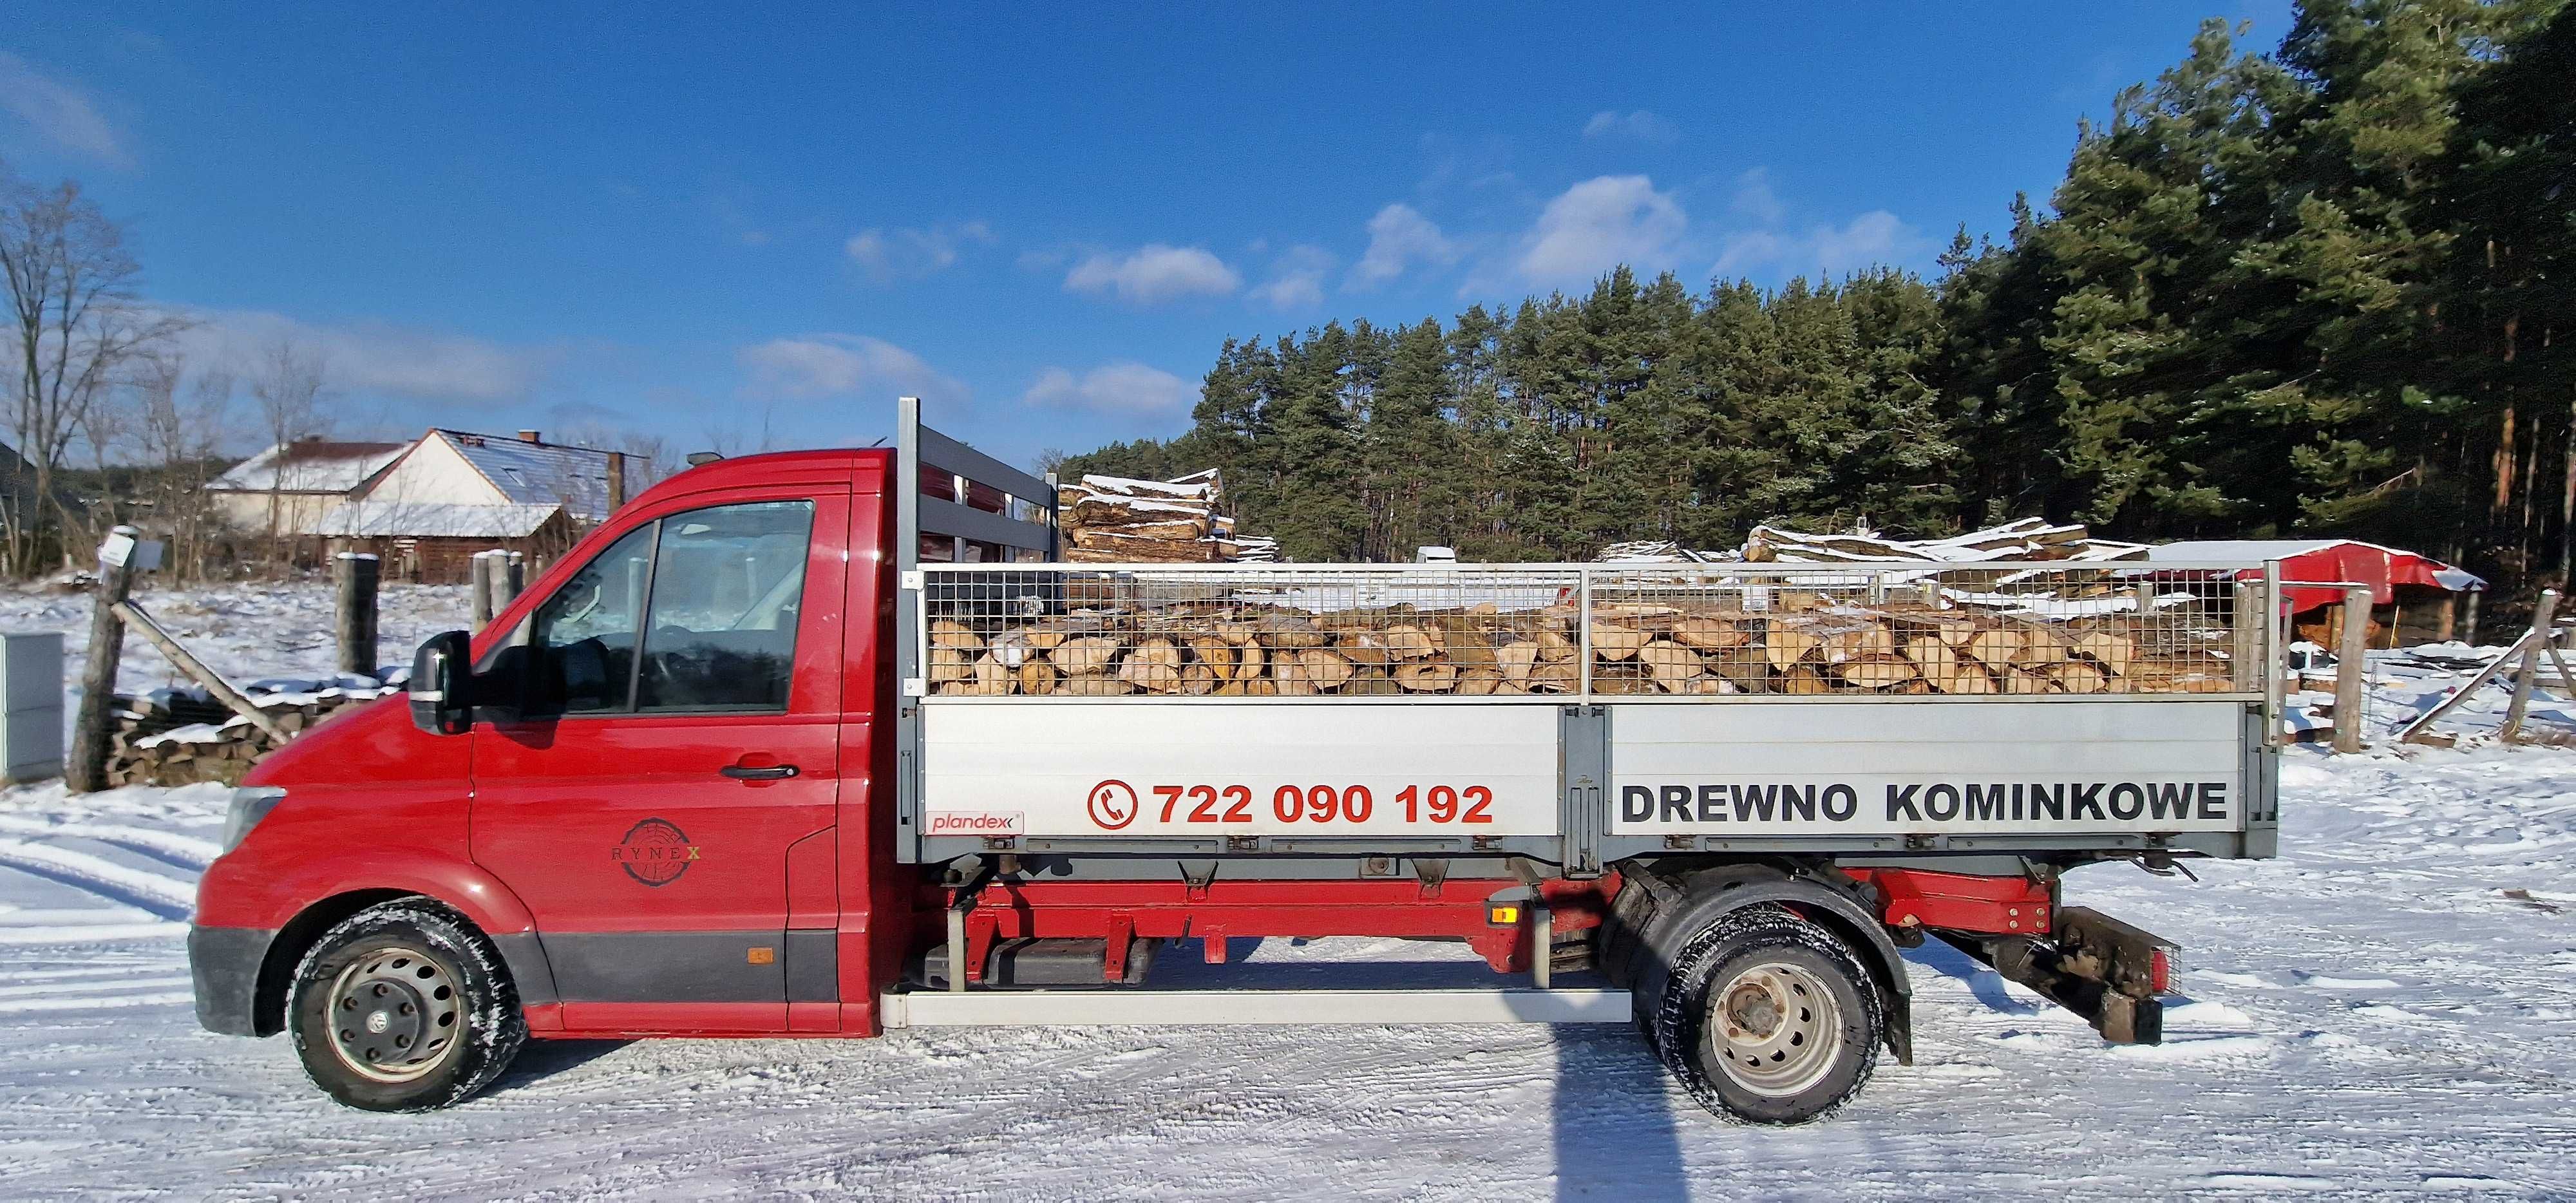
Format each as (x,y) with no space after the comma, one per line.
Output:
(585,635)
(728,584)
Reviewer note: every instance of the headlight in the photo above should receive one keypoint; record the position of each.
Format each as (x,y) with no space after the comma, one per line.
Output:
(250,805)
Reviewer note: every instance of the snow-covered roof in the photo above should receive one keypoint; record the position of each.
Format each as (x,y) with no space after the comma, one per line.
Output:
(309,466)
(432,520)
(534,473)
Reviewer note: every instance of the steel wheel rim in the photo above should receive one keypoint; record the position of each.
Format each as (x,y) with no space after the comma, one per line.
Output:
(1775,1028)
(396,1014)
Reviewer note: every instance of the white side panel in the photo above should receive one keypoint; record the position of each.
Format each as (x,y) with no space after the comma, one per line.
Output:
(1127,768)
(1792,768)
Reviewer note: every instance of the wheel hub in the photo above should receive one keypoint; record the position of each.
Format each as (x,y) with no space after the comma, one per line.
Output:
(395,1014)
(1776,1029)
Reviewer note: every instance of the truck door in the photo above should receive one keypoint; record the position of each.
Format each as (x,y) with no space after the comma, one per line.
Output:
(671,761)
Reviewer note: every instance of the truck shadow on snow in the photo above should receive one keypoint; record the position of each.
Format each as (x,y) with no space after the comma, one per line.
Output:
(1981,981)
(542,1059)
(1617,1119)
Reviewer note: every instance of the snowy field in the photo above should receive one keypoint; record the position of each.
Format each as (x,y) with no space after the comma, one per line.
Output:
(2390,1008)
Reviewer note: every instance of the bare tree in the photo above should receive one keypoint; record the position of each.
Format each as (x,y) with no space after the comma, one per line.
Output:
(179,445)
(289,384)
(76,320)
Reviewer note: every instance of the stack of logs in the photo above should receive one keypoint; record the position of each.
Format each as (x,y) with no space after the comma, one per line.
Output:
(1114,520)
(1820,647)
(183,736)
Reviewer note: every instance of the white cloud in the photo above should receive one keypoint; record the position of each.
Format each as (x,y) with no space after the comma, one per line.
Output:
(1154,273)
(906,253)
(1639,125)
(1828,252)
(58,112)
(1399,236)
(1873,238)
(1296,279)
(371,357)
(827,365)
(1122,387)
(1755,199)
(1599,224)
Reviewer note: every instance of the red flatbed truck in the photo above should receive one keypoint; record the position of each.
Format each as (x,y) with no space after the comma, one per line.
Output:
(718,773)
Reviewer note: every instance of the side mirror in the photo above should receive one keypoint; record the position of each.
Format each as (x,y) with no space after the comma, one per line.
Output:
(441,676)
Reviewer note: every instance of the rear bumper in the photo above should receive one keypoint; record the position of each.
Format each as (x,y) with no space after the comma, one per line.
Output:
(223,964)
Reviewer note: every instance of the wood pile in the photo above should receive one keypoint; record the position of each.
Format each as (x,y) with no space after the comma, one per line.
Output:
(1805,643)
(1116,520)
(184,736)
(2027,539)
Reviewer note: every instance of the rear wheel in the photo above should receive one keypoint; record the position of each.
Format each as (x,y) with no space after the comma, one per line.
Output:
(404,1007)
(1768,1018)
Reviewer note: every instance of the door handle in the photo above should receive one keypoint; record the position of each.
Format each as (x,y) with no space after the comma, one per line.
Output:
(763,772)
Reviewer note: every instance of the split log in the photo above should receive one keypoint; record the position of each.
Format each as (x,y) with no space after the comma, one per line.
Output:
(1553,644)
(1876,671)
(1804,679)
(1037,676)
(1365,647)
(1515,659)
(1153,665)
(1369,680)
(948,664)
(1675,668)
(1291,632)
(1427,677)
(1197,679)
(2110,649)
(2079,676)
(1046,637)
(955,636)
(1710,634)
(1324,669)
(1611,641)
(1944,669)
(2042,645)
(1288,677)
(1994,647)
(1095,685)
(1858,642)
(1216,654)
(1411,642)
(1556,676)
(1478,682)
(2023,680)
(1786,644)
(991,680)
(1087,656)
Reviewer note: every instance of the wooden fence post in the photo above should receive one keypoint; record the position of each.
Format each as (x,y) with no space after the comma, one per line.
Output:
(2469,617)
(86,771)
(358,574)
(2352,669)
(516,579)
(2542,615)
(478,589)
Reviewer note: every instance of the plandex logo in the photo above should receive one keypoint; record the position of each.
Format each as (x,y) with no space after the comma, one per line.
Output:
(1112,805)
(655,852)
(977,822)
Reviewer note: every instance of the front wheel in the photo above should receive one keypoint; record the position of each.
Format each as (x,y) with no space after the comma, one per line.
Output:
(404,1007)
(1768,1018)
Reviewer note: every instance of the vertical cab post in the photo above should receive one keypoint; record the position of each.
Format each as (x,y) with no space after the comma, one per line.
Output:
(919,450)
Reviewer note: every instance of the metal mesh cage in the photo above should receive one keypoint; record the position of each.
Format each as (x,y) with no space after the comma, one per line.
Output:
(1542,632)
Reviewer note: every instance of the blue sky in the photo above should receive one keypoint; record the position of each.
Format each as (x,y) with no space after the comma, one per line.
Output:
(750,223)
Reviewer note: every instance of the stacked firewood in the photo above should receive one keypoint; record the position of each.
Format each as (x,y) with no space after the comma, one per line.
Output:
(1116,520)
(1805,644)
(2027,539)
(183,736)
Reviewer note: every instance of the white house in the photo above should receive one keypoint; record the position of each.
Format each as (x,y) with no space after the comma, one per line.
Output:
(452,493)
(294,484)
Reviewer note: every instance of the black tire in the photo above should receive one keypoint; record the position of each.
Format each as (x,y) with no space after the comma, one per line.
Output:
(1810,1018)
(404,1006)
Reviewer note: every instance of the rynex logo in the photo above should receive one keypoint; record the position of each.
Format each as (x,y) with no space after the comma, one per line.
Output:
(655,852)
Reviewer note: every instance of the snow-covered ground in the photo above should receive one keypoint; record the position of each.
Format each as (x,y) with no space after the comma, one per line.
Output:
(2388,1008)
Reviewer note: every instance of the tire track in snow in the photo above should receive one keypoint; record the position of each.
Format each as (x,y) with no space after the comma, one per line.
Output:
(162,897)
(170,847)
